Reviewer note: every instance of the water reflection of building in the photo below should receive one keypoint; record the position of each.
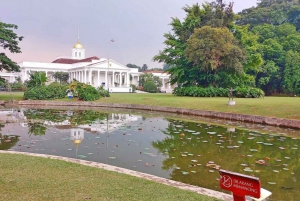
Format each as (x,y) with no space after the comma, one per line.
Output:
(76,135)
(113,122)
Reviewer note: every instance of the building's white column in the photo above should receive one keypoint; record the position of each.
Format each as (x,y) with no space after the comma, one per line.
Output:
(84,76)
(113,78)
(46,73)
(163,82)
(169,85)
(106,80)
(120,79)
(90,77)
(25,76)
(127,79)
(98,78)
(138,80)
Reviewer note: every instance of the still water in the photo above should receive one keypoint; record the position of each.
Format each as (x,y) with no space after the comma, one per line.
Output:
(178,149)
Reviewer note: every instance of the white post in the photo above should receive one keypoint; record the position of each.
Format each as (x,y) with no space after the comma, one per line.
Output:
(90,77)
(169,85)
(106,79)
(163,81)
(127,79)
(84,76)
(98,78)
(113,78)
(120,78)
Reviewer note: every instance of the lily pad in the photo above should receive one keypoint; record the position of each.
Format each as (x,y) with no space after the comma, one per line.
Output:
(195,161)
(272,183)
(211,133)
(268,144)
(184,173)
(81,156)
(276,171)
(253,150)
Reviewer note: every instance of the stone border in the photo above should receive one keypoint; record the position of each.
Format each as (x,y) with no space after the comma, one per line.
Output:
(223,115)
(199,190)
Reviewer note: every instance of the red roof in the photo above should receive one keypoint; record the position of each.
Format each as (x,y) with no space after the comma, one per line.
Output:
(73,61)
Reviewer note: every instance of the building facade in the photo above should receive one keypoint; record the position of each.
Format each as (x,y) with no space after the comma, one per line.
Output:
(95,71)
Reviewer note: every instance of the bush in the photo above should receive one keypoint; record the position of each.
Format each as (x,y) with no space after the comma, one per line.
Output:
(150,86)
(240,92)
(103,92)
(87,92)
(53,91)
(133,88)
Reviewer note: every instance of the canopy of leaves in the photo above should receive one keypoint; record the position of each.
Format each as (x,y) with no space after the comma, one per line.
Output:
(9,40)
(274,12)
(62,77)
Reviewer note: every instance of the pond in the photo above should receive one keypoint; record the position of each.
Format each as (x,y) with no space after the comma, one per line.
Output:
(180,148)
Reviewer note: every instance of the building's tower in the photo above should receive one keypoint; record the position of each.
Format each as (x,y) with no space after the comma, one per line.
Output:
(78,51)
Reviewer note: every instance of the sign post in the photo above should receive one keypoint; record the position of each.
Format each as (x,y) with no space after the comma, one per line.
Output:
(240,185)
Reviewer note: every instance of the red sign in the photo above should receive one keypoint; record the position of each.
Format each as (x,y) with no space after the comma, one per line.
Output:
(239,184)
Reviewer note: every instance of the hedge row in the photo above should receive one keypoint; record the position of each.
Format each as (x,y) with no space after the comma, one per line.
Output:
(239,92)
(53,91)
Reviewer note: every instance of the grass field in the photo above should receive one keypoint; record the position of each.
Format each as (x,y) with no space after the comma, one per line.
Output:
(280,107)
(34,179)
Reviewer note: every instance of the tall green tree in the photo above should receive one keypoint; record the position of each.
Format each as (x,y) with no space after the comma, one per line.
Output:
(144,67)
(62,77)
(291,73)
(274,12)
(9,40)
(36,79)
(184,70)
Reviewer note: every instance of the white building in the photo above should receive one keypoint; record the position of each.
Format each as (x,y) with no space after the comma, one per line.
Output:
(95,71)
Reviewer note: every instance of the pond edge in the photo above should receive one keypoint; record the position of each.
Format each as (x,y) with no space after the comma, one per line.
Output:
(183,186)
(289,123)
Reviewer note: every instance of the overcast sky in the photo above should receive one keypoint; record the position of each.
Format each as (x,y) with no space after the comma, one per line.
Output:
(50,27)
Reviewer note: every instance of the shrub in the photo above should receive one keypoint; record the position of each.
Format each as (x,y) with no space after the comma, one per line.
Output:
(87,92)
(240,92)
(103,92)
(53,91)
(133,88)
(150,86)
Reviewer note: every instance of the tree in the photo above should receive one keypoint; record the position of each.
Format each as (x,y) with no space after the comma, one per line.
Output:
(134,66)
(211,49)
(9,40)
(274,12)
(291,75)
(36,79)
(62,77)
(183,71)
(144,67)
(149,77)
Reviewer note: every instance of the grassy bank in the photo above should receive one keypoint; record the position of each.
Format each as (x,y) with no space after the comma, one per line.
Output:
(33,178)
(280,107)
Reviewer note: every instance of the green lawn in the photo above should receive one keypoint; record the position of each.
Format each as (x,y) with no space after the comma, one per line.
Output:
(34,179)
(281,107)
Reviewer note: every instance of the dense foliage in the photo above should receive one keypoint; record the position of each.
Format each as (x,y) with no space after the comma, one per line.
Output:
(9,40)
(213,47)
(150,83)
(87,92)
(61,77)
(239,92)
(50,92)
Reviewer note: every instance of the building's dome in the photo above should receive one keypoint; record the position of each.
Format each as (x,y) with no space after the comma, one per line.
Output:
(78,45)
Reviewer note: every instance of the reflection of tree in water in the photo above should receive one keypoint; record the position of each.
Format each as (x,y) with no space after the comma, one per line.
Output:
(36,129)
(7,141)
(74,117)
(236,151)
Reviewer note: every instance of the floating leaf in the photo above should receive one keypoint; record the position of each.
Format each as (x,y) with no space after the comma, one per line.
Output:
(268,144)
(272,183)
(184,173)
(211,133)
(253,150)
(112,157)
(248,170)
(287,157)
(183,155)
(195,161)
(211,170)
(286,168)
(276,171)
(240,142)
(190,154)
(193,171)
(81,156)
